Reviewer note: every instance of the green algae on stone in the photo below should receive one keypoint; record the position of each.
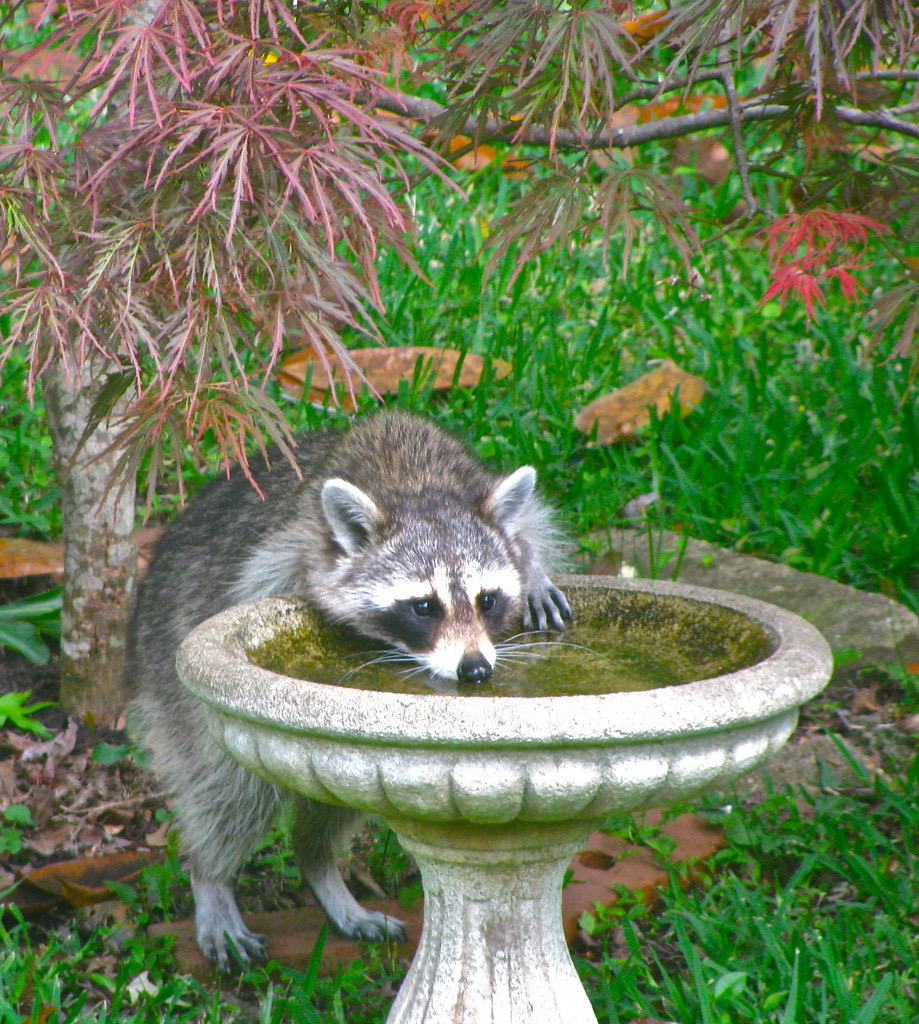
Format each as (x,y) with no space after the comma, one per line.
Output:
(620,640)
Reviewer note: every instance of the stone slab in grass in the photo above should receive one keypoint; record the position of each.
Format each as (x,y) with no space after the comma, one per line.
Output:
(879,629)
(599,874)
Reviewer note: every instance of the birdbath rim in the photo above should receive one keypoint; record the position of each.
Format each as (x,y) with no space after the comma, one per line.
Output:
(224,677)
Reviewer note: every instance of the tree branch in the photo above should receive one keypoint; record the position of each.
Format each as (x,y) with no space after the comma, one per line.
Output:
(651,90)
(740,149)
(888,75)
(491,130)
(877,119)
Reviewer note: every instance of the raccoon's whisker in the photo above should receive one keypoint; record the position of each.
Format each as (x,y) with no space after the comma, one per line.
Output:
(528,632)
(376,656)
(520,646)
(530,645)
(382,657)
(507,647)
(415,670)
(516,638)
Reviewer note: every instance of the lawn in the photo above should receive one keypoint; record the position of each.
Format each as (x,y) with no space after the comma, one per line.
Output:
(805,450)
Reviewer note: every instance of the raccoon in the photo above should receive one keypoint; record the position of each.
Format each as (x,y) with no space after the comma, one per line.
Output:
(391,527)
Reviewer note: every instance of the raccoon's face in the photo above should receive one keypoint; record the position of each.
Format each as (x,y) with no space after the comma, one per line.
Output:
(438,582)
(449,620)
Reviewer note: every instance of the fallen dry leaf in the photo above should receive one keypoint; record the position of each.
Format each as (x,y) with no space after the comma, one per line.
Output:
(708,156)
(660,109)
(609,863)
(469,157)
(384,368)
(51,751)
(145,539)
(46,558)
(44,63)
(646,26)
(29,558)
(50,839)
(159,837)
(597,860)
(515,167)
(8,784)
(622,412)
(86,880)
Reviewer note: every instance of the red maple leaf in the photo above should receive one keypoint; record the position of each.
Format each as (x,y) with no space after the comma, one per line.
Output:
(806,249)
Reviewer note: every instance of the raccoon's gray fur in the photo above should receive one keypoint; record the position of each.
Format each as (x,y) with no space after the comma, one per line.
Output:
(394,529)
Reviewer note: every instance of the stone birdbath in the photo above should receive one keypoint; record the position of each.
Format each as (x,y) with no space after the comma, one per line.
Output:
(493,794)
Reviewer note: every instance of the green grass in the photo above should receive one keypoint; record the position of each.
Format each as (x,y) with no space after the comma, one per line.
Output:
(803,920)
(804,450)
(87,967)
(28,489)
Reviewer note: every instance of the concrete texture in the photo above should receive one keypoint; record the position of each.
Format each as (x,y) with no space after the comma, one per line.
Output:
(873,629)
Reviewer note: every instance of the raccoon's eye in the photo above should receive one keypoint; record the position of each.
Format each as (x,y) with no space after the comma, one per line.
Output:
(487,601)
(426,607)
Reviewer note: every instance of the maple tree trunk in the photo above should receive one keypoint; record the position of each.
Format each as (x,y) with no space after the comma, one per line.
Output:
(100,556)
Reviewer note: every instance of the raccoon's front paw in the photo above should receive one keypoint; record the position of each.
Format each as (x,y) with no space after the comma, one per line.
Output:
(373,926)
(546,608)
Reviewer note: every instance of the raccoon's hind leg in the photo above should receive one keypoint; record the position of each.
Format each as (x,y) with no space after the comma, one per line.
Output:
(221,817)
(219,925)
(318,833)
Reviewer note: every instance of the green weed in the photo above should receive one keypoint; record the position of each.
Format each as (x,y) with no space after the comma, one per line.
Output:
(28,492)
(15,819)
(16,713)
(24,623)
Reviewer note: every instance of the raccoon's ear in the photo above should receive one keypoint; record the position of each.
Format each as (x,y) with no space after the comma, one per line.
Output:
(352,515)
(511,497)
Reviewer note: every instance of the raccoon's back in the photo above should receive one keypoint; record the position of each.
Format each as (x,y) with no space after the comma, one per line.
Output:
(198,558)
(394,456)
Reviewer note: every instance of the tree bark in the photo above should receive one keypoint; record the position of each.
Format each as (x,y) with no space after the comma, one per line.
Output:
(100,556)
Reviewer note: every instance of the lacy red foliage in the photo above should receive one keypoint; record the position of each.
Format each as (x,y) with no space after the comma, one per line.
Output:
(227,184)
(808,249)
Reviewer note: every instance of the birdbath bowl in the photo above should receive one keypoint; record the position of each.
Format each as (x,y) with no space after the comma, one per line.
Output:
(493,794)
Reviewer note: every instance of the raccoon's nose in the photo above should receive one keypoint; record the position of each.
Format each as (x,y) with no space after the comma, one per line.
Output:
(473,668)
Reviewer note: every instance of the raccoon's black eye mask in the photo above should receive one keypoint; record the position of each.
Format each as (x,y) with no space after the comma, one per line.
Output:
(492,605)
(426,608)
(412,623)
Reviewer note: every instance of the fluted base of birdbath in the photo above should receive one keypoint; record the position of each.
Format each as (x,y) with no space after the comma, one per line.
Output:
(492,949)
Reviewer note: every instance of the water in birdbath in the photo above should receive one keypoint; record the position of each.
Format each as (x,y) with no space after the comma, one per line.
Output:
(619,641)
